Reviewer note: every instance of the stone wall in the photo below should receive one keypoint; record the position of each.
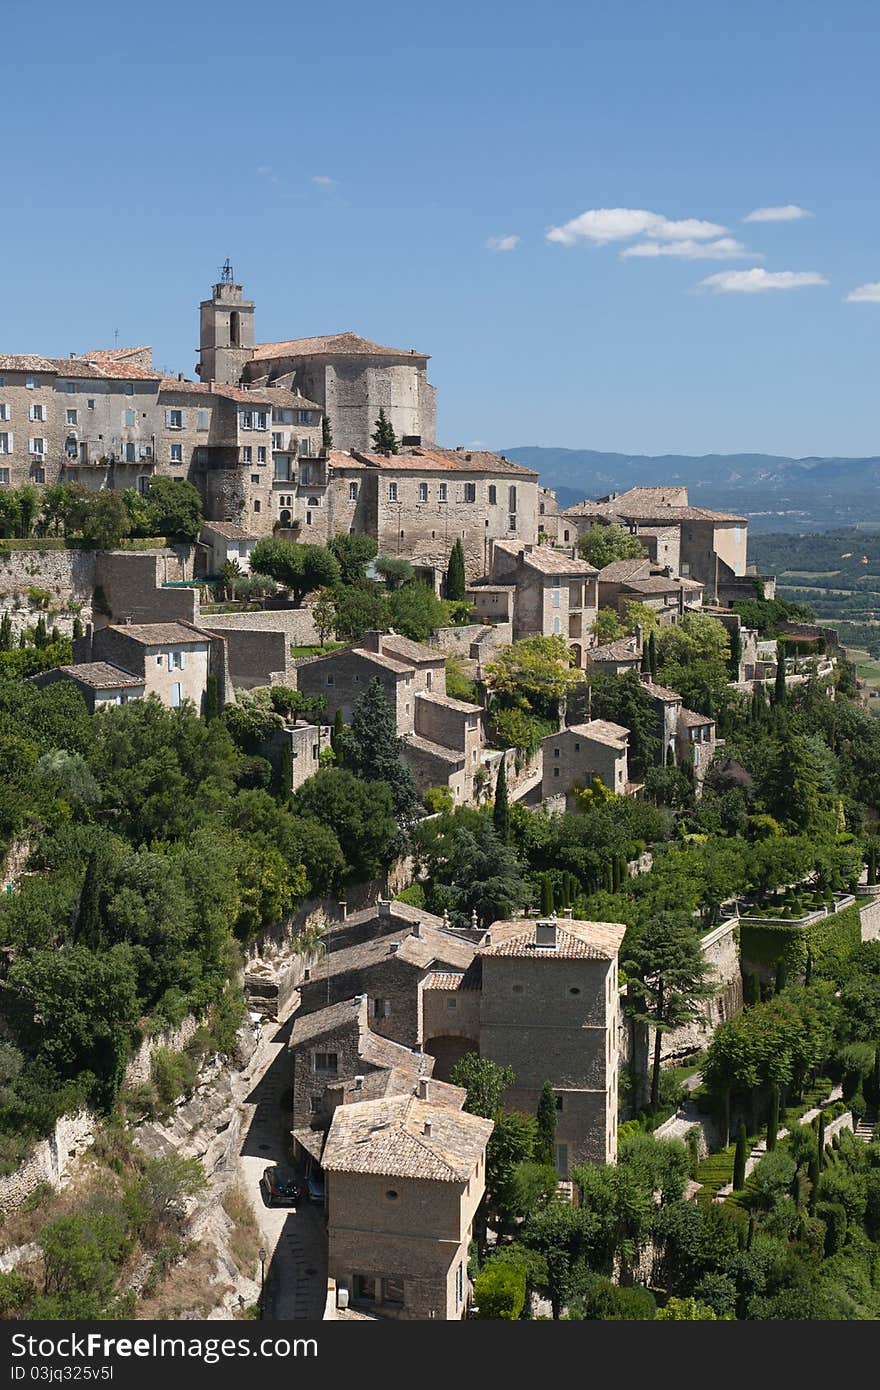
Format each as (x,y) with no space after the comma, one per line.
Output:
(49,1162)
(297,624)
(68,576)
(474,640)
(137,1072)
(870,915)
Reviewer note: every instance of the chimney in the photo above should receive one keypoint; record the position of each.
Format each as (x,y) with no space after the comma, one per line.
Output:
(417,930)
(359,1083)
(487,939)
(423,1088)
(384,906)
(394,948)
(343,909)
(371,641)
(545,933)
(427,1129)
(567,912)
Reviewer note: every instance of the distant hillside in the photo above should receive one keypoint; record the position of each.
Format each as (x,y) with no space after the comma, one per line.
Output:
(776,493)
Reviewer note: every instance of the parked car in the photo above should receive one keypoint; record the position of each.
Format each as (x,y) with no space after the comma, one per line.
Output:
(278,1188)
(315,1183)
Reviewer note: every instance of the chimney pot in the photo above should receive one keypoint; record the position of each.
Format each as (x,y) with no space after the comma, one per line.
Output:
(394,948)
(417,929)
(427,1129)
(545,932)
(384,907)
(423,1088)
(343,909)
(359,1083)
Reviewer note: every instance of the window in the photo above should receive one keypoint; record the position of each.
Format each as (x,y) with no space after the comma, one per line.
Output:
(246,419)
(380,1008)
(392,1290)
(38,474)
(255,477)
(459,1285)
(4,411)
(70,388)
(277,441)
(511,522)
(313,502)
(5,444)
(423,492)
(493,494)
(565,536)
(556,598)
(558,1101)
(511,499)
(308,518)
(442,493)
(325,1062)
(282,470)
(392,492)
(516,989)
(173,419)
(364,1288)
(203,419)
(258,506)
(4,475)
(30,383)
(305,417)
(129,388)
(556,752)
(452,1003)
(315,1105)
(38,412)
(557,627)
(470,492)
(246,453)
(129,453)
(176,695)
(71,417)
(90,404)
(352,492)
(201,455)
(330,680)
(38,446)
(556,772)
(391,1195)
(130,419)
(177,453)
(177,661)
(261,419)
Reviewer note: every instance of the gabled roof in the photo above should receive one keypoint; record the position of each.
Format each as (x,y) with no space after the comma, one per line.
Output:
(25,362)
(624,649)
(419,951)
(388,1138)
(602,730)
(625,569)
(228,530)
(161,634)
(660,692)
(690,718)
(547,561)
(306,1027)
(447,702)
(408,650)
(102,675)
(424,458)
(349,344)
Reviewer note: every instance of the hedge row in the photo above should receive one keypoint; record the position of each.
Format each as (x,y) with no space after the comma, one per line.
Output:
(829,941)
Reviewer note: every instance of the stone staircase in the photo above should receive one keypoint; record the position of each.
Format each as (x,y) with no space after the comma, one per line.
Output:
(864,1130)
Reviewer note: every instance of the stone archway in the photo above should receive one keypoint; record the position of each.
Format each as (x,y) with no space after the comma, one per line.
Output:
(446,1051)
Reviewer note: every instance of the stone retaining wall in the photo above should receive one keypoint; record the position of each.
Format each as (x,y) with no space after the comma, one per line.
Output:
(50,1160)
(870,915)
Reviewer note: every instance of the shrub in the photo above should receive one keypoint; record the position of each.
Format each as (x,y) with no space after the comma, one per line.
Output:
(438,799)
(174,1074)
(834,1217)
(500,1292)
(414,895)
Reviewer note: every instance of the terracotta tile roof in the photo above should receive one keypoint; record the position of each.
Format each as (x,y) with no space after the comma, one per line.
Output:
(653,584)
(600,729)
(434,459)
(229,530)
(547,561)
(106,366)
(432,945)
(115,355)
(161,634)
(575,940)
(388,1054)
(348,344)
(625,569)
(447,702)
(387,1137)
(25,362)
(312,1140)
(102,675)
(404,912)
(449,980)
(665,515)
(690,718)
(436,750)
(625,649)
(408,650)
(400,668)
(660,692)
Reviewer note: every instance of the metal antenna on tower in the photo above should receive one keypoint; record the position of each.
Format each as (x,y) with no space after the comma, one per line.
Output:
(116,337)
(226,272)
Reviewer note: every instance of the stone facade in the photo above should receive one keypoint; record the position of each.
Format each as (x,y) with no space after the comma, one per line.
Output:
(576,755)
(174,659)
(554,594)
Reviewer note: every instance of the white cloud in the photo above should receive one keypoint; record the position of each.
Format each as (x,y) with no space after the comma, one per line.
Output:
(865,294)
(789,213)
(757,280)
(502,243)
(323,180)
(602,225)
(724,249)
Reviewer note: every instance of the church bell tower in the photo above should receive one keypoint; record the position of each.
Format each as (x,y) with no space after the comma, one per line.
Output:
(226,338)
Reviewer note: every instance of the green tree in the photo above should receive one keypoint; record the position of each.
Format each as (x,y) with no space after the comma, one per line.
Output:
(326,434)
(384,440)
(300,568)
(779,689)
(175,508)
(667,978)
(360,814)
(500,1292)
(28,506)
(359,608)
(337,735)
(606,626)
(101,519)
(374,752)
(395,570)
(6,633)
(501,806)
(533,675)
(686,1310)
(739,1160)
(324,614)
(416,611)
(485,1082)
(353,554)
(602,545)
(545,1149)
(212,700)
(456,582)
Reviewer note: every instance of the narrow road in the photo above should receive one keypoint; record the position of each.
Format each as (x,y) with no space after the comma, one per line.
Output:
(295,1240)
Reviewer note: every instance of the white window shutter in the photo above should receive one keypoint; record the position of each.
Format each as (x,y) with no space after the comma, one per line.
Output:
(167,418)
(170,661)
(183,661)
(183,419)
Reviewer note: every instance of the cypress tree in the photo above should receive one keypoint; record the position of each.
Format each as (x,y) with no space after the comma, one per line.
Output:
(88,917)
(212,699)
(670,756)
(501,809)
(652,656)
(813,1173)
(384,439)
(337,734)
(56,635)
(735,653)
(751,1235)
(326,433)
(285,770)
(77,628)
(566,889)
(545,1145)
(455,575)
(41,637)
(645,666)
(6,633)
(615,874)
(609,876)
(751,988)
(773,1119)
(739,1160)
(820,1141)
(547,903)
(22,639)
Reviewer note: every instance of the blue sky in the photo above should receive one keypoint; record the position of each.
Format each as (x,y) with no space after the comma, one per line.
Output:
(142,145)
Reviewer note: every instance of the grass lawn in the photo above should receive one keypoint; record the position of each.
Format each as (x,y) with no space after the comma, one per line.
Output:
(316,649)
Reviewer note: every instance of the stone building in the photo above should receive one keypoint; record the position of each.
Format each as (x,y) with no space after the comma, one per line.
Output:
(405,1176)
(443,737)
(697,543)
(548,1009)
(690,737)
(171,660)
(548,515)
(227,543)
(669,595)
(553,593)
(575,756)
(99,683)
(616,658)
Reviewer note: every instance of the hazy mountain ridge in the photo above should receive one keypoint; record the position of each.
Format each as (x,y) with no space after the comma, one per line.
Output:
(776,492)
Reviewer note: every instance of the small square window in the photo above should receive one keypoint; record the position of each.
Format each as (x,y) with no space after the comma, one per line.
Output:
(255,477)
(90,404)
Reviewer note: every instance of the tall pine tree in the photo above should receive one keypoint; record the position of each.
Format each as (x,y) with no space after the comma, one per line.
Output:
(501,809)
(455,575)
(384,439)
(545,1144)
(326,434)
(779,685)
